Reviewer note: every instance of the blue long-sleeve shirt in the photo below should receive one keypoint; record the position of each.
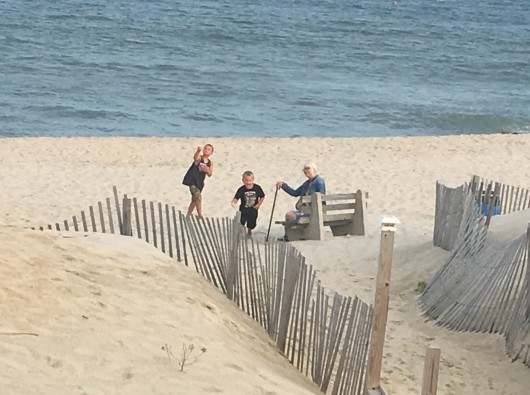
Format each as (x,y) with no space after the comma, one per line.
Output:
(309,187)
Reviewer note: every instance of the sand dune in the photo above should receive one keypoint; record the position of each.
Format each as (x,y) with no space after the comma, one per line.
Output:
(112,315)
(149,302)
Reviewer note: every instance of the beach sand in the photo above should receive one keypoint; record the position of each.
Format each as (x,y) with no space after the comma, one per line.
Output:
(50,282)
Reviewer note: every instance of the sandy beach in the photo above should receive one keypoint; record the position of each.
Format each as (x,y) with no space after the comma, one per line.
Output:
(109,311)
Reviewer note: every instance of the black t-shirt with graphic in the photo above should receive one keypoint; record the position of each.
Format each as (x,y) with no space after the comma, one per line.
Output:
(249,197)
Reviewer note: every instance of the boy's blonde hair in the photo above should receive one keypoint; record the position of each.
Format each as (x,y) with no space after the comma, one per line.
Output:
(248,173)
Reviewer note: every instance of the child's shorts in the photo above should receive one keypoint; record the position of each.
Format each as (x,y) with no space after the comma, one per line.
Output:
(195,192)
(249,216)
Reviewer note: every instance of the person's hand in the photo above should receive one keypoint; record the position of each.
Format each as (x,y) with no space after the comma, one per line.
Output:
(199,149)
(279,184)
(233,204)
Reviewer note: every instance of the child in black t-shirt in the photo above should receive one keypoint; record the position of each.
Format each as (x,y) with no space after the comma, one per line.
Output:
(252,197)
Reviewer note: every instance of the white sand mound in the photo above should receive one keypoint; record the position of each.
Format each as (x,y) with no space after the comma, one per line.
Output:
(106,309)
(506,228)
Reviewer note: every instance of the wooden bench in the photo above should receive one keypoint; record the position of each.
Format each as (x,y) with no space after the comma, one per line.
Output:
(343,213)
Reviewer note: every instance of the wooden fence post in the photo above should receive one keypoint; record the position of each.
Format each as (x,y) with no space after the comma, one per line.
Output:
(233,261)
(382,292)
(430,371)
(126,218)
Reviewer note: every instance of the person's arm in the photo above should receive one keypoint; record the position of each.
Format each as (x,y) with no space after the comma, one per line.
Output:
(261,198)
(237,196)
(294,192)
(197,155)
(259,203)
(208,169)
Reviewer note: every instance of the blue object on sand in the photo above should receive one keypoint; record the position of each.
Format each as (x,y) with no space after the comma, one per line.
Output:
(495,210)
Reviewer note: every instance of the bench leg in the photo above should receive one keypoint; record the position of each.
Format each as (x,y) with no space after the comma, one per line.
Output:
(342,230)
(295,233)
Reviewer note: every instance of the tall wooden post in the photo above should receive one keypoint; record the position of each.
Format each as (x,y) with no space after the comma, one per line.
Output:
(430,372)
(382,292)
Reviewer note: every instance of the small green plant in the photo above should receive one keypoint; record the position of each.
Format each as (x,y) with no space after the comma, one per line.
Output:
(421,287)
(186,354)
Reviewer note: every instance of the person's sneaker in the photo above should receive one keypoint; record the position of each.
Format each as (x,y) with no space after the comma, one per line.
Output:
(283,238)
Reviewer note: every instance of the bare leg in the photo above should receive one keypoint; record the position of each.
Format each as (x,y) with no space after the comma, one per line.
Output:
(191,207)
(198,206)
(249,232)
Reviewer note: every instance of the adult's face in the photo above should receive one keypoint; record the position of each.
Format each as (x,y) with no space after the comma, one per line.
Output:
(309,172)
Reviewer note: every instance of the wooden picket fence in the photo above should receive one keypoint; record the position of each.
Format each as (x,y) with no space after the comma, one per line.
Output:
(324,334)
(491,198)
(484,285)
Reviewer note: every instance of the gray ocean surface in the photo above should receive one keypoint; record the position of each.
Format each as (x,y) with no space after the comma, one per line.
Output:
(271,68)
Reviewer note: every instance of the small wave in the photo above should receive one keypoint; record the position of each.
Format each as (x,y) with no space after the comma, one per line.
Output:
(202,117)
(308,103)
(7,133)
(62,17)
(98,18)
(211,90)
(475,123)
(68,112)
(166,67)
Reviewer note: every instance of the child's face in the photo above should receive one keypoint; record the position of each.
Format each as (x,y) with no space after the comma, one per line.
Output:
(248,181)
(207,150)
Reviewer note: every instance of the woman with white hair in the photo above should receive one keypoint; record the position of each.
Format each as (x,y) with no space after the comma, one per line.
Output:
(314,183)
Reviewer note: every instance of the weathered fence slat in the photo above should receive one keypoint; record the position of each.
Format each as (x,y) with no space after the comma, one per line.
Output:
(109,211)
(146,225)
(118,210)
(137,219)
(153,223)
(83,220)
(101,217)
(92,219)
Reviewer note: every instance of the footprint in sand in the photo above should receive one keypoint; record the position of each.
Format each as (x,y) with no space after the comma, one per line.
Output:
(236,367)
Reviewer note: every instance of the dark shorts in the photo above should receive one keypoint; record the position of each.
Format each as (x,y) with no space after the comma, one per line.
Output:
(249,217)
(195,192)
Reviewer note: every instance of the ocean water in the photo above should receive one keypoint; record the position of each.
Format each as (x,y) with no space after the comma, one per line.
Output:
(271,68)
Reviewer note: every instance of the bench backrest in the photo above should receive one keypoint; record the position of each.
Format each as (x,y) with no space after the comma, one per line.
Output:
(343,213)
(335,206)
